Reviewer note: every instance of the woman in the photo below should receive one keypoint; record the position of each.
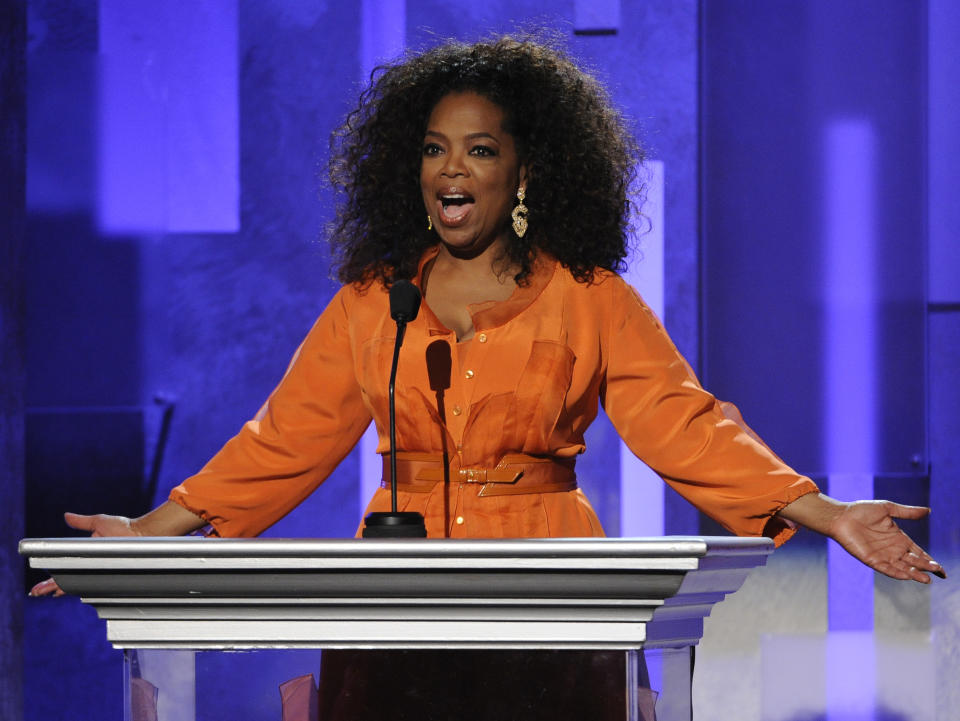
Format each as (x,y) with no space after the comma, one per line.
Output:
(496,176)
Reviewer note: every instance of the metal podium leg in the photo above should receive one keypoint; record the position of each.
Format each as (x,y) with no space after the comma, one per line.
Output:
(644,683)
(633,684)
(675,702)
(159,685)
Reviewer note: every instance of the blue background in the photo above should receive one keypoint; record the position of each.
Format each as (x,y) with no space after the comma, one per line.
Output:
(162,264)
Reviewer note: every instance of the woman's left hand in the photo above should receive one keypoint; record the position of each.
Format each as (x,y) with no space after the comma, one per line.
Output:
(867,530)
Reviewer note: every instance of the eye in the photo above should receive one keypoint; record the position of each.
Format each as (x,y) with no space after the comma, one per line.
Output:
(431,149)
(483,151)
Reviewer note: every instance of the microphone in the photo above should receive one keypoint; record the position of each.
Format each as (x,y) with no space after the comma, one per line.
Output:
(404,302)
(404,305)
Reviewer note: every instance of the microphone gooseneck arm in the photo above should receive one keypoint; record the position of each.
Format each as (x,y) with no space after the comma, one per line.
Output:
(391,392)
(404,304)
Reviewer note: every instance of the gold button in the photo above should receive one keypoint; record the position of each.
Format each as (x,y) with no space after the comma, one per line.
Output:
(457,410)
(468,374)
(459,520)
(482,337)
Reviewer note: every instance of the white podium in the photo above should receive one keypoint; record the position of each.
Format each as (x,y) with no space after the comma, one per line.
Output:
(176,595)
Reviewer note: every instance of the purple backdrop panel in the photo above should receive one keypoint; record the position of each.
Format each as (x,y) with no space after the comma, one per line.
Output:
(850,297)
(169,126)
(61,156)
(383,33)
(944,149)
(642,490)
(850,360)
(596,16)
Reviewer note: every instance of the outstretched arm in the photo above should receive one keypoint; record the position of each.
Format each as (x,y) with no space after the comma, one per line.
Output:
(867,530)
(167,519)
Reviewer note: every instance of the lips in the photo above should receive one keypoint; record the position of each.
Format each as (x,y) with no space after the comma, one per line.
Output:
(454,206)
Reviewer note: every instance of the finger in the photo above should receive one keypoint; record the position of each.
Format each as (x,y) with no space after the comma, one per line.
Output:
(903,570)
(923,560)
(41,589)
(900,572)
(917,575)
(46,588)
(926,563)
(899,510)
(78,521)
(917,567)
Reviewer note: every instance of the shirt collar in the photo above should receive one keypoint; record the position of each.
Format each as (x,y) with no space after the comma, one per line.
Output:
(491,314)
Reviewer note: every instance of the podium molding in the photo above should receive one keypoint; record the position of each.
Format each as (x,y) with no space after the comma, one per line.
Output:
(595,593)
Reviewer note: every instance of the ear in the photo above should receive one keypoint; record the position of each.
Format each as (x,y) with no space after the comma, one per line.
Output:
(523,176)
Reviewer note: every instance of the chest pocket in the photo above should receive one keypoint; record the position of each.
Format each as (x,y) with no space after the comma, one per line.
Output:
(528,415)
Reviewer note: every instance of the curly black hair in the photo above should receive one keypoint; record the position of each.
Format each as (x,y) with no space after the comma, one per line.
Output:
(581,159)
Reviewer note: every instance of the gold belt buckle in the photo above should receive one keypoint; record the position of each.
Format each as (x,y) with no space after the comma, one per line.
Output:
(473,475)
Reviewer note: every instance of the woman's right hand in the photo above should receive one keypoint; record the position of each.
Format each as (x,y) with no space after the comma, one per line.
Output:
(99,525)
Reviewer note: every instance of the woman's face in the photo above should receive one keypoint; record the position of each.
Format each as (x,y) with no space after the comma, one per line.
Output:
(469,173)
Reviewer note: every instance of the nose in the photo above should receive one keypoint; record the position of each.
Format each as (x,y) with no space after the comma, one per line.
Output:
(453,165)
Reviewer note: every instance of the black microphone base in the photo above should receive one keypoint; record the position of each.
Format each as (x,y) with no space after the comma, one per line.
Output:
(405,524)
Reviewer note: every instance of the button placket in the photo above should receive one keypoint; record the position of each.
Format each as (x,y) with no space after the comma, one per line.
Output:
(456,405)
(458,519)
(471,375)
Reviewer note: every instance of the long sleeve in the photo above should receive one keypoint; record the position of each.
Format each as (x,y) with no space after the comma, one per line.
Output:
(530,383)
(681,431)
(308,424)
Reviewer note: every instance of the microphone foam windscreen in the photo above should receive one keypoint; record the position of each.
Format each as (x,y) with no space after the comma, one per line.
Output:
(404,301)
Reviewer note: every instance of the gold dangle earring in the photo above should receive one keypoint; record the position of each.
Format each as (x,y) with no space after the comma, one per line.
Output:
(429,223)
(519,213)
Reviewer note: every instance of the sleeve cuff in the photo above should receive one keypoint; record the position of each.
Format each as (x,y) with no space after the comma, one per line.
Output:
(214,525)
(780,530)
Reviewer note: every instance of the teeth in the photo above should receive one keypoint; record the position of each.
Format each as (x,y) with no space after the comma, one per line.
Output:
(455,199)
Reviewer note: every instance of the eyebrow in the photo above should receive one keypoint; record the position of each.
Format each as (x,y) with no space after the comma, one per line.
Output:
(470,136)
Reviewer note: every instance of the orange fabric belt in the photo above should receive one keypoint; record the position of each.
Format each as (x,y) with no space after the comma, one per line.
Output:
(515,474)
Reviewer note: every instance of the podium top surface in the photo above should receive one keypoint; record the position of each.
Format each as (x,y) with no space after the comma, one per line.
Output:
(639,553)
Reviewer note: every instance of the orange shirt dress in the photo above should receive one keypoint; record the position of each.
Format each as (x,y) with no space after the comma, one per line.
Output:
(489,430)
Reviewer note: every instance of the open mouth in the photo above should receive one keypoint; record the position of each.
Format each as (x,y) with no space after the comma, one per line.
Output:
(454,207)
